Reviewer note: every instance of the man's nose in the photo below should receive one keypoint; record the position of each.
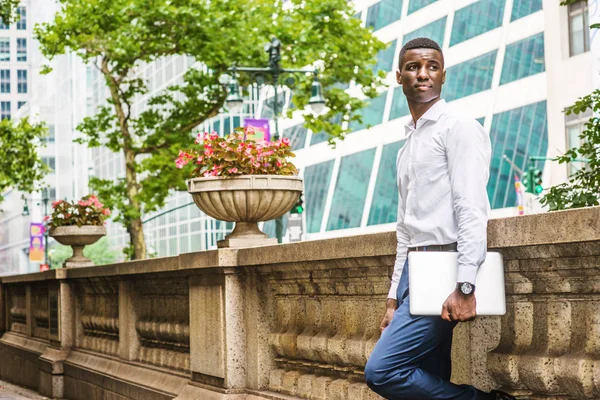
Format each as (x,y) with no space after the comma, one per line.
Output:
(422,73)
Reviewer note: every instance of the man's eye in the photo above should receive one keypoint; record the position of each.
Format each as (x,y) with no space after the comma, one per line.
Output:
(434,67)
(412,68)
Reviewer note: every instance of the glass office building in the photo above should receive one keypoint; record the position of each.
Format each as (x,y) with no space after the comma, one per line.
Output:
(506,63)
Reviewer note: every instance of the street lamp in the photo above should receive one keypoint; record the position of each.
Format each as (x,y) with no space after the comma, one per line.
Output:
(235,102)
(25,212)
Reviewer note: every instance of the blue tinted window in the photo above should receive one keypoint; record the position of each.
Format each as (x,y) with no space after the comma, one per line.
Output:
(385,58)
(518,133)
(434,31)
(372,114)
(399,104)
(297,136)
(523,58)
(469,77)
(475,19)
(415,5)
(22,23)
(384,13)
(522,8)
(481,120)
(316,185)
(384,207)
(270,226)
(351,190)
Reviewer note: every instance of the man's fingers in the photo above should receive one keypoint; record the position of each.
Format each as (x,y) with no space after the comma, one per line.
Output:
(445,313)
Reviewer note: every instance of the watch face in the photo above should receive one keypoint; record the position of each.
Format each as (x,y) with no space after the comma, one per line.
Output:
(466,288)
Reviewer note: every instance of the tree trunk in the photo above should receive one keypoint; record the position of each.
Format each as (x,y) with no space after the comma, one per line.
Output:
(135,228)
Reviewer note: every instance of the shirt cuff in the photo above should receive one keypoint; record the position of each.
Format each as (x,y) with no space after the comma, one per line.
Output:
(467,273)
(393,290)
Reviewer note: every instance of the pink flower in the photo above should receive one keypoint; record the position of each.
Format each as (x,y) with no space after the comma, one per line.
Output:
(106,212)
(286,141)
(55,203)
(208,151)
(85,203)
(200,159)
(278,163)
(199,139)
(46,218)
(183,159)
(213,136)
(214,173)
(248,151)
(233,170)
(223,145)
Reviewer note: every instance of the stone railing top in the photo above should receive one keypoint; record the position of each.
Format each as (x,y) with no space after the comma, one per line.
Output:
(563,227)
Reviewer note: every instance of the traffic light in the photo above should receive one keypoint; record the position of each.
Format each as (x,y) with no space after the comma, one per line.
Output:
(532,180)
(537,181)
(298,208)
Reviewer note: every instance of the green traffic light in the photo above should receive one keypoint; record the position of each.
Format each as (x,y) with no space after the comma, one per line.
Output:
(538,189)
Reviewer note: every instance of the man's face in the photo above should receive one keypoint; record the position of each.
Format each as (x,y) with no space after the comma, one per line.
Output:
(422,75)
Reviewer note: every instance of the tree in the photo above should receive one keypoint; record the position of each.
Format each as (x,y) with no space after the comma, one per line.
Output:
(7,10)
(20,166)
(119,36)
(583,187)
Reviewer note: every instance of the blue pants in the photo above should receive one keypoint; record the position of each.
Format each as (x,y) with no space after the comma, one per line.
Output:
(412,360)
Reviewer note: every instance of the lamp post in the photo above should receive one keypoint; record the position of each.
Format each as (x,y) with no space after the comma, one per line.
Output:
(235,102)
(45,201)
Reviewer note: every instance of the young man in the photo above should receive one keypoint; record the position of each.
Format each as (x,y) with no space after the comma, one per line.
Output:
(443,170)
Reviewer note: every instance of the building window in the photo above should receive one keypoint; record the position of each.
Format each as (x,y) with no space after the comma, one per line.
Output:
(22,23)
(5,81)
(575,125)
(50,162)
(476,19)
(51,134)
(3,26)
(4,49)
(317,179)
(579,29)
(351,190)
(518,133)
(470,77)
(21,49)
(522,8)
(297,135)
(384,208)
(415,5)
(399,104)
(371,115)
(20,104)
(21,81)
(523,58)
(385,58)
(434,31)
(5,110)
(383,13)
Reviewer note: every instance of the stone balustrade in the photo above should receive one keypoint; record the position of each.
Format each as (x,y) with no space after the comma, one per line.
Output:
(298,321)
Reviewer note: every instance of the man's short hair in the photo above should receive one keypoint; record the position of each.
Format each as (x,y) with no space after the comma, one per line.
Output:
(419,43)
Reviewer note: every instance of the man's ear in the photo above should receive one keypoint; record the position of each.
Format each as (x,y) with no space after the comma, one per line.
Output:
(444,77)
(399,77)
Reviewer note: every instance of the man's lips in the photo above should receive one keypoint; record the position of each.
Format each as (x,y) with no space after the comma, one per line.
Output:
(422,87)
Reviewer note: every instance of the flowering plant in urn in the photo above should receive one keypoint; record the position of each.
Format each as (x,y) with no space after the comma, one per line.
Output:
(242,181)
(234,156)
(77,224)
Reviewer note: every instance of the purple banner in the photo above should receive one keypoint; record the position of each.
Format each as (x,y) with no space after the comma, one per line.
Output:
(36,242)
(257,129)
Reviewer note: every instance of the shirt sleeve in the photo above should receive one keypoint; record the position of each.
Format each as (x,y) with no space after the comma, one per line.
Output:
(468,151)
(401,249)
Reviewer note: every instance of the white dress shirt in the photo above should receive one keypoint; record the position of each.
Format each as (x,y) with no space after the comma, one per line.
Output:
(443,170)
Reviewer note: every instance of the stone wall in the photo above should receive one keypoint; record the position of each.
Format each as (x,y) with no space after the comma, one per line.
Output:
(298,321)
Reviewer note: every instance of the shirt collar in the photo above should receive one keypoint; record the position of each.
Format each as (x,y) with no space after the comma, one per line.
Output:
(433,114)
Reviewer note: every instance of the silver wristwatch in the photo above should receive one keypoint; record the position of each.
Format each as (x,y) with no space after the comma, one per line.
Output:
(465,288)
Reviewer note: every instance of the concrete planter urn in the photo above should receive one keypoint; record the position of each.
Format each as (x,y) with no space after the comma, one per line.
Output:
(246,200)
(78,237)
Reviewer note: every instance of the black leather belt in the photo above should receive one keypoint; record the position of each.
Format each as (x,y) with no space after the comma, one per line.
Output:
(435,247)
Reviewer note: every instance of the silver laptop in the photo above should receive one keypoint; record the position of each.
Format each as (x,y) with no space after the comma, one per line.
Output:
(432,278)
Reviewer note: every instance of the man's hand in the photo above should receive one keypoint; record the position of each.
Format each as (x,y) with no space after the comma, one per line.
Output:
(390,307)
(459,307)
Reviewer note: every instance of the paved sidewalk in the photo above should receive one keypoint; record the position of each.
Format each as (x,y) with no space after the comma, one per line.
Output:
(9,391)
